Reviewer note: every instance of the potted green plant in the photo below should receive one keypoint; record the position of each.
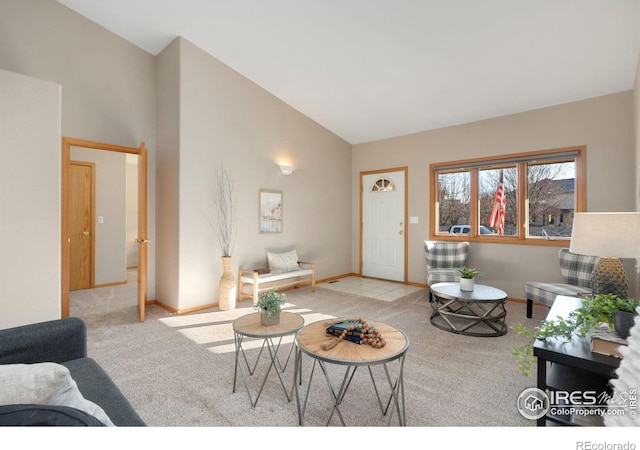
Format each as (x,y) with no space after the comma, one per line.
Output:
(467,275)
(602,308)
(270,304)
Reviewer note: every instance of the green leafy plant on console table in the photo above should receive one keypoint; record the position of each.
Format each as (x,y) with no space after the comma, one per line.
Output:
(581,321)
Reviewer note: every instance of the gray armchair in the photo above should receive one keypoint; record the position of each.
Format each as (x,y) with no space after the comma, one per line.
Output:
(576,271)
(443,258)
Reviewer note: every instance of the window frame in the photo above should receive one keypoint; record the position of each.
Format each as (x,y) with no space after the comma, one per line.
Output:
(474,165)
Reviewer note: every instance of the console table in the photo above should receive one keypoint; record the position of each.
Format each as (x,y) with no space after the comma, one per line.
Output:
(573,366)
(309,341)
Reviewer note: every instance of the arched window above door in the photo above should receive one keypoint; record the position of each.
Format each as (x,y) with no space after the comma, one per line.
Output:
(382,185)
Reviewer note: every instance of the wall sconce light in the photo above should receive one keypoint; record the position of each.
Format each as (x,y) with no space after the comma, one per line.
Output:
(286,170)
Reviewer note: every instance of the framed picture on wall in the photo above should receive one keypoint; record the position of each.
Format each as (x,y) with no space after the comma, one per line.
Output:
(270,213)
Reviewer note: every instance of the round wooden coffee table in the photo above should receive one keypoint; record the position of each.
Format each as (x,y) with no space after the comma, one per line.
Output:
(309,341)
(480,312)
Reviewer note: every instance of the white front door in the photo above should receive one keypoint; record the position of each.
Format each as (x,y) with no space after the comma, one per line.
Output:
(383,225)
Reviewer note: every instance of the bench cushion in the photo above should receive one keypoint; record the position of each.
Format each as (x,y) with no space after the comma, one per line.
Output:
(248,279)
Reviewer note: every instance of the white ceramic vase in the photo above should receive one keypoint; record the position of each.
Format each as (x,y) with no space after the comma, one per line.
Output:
(466,284)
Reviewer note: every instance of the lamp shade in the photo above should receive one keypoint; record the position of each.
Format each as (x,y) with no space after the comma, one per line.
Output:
(610,234)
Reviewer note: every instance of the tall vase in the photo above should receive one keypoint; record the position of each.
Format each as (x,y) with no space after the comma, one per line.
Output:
(227,287)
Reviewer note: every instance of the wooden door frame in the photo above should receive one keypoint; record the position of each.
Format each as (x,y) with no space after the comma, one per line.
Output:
(404,169)
(67,143)
(92,234)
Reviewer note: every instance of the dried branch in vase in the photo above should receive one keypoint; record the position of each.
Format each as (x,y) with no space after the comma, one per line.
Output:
(226,213)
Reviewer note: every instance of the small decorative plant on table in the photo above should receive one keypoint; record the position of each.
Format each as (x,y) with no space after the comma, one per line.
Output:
(270,304)
(467,276)
(593,312)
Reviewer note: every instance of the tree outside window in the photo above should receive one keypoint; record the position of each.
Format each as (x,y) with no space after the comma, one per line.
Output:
(542,190)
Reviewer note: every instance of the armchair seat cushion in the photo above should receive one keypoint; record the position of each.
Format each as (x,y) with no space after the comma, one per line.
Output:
(546,293)
(443,276)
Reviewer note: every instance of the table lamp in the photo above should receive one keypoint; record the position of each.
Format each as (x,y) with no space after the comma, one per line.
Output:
(611,236)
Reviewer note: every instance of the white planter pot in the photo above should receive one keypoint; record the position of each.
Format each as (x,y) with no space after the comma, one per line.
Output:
(466,284)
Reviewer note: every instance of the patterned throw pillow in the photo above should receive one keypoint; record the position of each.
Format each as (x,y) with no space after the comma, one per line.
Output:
(283,262)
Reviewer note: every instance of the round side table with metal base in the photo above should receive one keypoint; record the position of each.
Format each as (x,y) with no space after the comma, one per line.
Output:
(480,312)
(250,326)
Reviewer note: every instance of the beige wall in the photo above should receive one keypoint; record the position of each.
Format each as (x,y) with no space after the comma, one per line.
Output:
(603,124)
(195,113)
(108,84)
(168,162)
(29,199)
(226,119)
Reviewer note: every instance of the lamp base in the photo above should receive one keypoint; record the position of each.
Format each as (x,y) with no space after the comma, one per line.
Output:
(609,277)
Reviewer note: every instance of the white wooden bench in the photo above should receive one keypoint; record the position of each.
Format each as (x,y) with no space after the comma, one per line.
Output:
(305,275)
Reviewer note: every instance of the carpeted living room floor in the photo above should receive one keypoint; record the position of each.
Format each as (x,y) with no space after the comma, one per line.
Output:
(177,370)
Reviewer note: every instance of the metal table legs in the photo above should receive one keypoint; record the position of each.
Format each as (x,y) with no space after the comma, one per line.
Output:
(275,362)
(394,404)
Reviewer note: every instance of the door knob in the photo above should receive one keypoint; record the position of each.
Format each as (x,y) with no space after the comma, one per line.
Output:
(141,241)
(400,232)
(85,233)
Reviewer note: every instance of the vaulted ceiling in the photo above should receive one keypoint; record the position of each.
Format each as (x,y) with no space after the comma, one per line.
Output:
(372,69)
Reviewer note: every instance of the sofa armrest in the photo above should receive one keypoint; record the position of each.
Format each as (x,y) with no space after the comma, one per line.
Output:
(53,341)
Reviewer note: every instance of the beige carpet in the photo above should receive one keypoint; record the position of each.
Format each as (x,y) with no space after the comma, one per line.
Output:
(178,370)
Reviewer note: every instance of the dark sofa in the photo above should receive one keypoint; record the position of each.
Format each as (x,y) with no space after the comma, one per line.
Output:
(64,342)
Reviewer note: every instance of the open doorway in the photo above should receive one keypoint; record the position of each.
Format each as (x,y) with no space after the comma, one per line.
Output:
(113,246)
